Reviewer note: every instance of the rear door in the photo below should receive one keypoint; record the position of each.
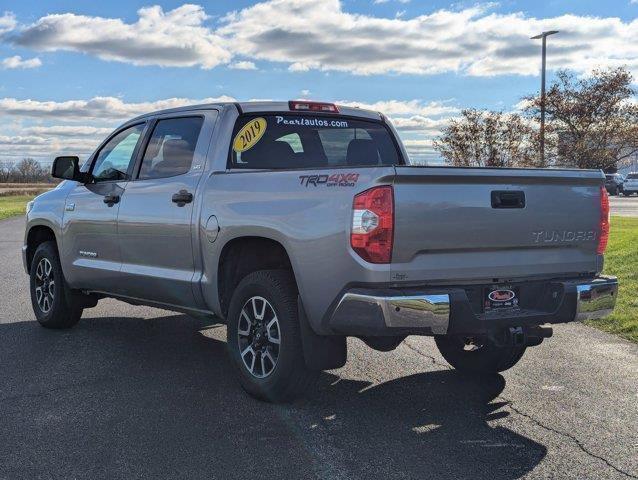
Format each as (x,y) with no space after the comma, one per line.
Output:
(91,254)
(155,219)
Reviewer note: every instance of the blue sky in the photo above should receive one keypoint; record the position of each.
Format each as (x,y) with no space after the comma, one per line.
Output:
(70,71)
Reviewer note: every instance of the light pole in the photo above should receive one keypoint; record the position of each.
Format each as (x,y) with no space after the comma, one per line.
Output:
(543,36)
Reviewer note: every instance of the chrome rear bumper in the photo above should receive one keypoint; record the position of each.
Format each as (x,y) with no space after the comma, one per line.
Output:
(596,299)
(448,310)
(431,311)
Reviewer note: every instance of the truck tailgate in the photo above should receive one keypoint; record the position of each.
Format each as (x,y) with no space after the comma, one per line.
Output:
(460,224)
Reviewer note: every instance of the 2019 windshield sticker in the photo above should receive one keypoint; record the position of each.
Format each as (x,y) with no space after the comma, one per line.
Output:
(332,180)
(311,122)
(249,135)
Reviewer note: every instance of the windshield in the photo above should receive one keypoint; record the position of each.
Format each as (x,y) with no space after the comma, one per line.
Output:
(289,141)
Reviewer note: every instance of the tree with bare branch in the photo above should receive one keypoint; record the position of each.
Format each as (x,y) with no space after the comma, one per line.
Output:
(6,169)
(592,121)
(29,170)
(488,139)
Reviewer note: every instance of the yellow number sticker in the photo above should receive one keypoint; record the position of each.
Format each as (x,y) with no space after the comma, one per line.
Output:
(249,134)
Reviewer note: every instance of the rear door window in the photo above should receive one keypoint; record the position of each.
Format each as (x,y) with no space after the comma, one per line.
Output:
(291,141)
(171,147)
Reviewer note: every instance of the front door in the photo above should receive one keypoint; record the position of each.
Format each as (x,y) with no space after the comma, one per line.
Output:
(155,217)
(90,250)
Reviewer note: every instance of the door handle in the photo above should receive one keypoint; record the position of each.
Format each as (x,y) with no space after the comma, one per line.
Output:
(110,200)
(182,198)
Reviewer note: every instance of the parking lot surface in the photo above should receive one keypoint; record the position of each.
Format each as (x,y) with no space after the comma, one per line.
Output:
(624,206)
(135,392)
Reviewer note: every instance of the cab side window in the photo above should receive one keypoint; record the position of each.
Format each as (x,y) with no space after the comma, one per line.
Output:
(114,159)
(171,148)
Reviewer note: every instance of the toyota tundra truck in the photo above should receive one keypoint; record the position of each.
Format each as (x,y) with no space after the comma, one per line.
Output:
(299,224)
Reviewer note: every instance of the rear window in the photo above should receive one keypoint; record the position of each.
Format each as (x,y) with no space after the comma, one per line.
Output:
(290,141)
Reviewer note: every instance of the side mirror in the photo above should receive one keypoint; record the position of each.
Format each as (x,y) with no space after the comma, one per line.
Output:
(67,168)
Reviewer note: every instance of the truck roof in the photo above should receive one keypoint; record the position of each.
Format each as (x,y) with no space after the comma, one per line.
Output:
(264,106)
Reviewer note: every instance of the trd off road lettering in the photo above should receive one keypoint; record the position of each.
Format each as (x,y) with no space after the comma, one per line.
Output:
(334,180)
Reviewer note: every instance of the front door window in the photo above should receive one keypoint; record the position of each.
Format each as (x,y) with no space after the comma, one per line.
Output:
(114,159)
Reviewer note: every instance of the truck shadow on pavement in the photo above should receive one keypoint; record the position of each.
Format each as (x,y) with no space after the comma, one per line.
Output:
(130,398)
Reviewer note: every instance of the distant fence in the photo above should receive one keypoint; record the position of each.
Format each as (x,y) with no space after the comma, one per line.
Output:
(14,189)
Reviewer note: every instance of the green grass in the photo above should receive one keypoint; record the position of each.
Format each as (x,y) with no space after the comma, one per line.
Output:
(13,205)
(621,260)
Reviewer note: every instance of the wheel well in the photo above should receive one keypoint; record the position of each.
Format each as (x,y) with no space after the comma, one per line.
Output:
(245,255)
(37,235)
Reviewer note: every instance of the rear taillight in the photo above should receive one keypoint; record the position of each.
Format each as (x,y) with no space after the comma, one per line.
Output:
(603,236)
(373,224)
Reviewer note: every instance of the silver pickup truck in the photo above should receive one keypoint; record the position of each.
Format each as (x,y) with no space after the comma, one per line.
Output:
(299,224)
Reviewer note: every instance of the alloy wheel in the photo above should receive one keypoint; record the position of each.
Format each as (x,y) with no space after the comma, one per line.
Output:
(258,336)
(44,285)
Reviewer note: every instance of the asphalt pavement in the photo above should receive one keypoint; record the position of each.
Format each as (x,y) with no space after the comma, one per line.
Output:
(134,392)
(624,206)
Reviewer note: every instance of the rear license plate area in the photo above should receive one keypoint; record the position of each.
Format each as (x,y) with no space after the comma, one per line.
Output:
(498,298)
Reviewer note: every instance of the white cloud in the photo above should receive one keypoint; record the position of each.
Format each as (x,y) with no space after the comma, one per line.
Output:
(7,22)
(420,151)
(419,124)
(243,65)
(17,62)
(176,38)
(102,108)
(44,147)
(308,34)
(407,107)
(417,144)
(67,131)
(320,35)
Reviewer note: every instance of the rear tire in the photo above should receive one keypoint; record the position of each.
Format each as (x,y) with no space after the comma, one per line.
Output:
(52,301)
(264,338)
(486,359)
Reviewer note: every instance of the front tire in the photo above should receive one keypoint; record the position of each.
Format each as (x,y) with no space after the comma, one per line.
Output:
(482,358)
(51,299)
(264,338)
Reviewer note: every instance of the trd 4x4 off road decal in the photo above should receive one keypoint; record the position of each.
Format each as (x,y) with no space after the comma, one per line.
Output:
(332,180)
